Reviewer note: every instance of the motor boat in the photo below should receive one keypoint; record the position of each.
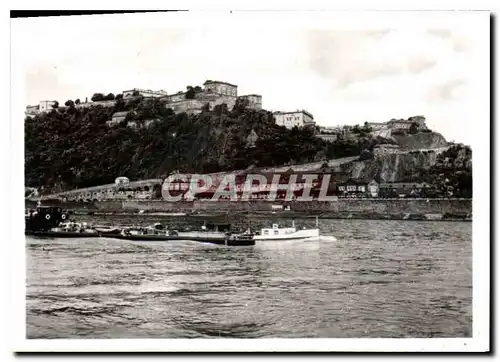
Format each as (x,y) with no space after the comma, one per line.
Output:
(276,233)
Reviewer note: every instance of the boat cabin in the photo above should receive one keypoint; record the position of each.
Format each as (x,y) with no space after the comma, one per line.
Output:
(276,230)
(217,227)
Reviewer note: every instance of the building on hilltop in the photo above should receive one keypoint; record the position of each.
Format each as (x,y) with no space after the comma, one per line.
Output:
(214,93)
(254,101)
(144,93)
(329,137)
(330,129)
(46,106)
(299,118)
(377,126)
(405,124)
(419,120)
(43,106)
(31,111)
(222,88)
(117,117)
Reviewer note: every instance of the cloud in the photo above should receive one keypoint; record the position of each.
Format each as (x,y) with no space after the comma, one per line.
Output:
(441,33)
(417,65)
(457,41)
(446,91)
(349,56)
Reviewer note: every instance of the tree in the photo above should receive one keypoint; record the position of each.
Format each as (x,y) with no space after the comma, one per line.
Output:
(367,128)
(77,101)
(55,105)
(110,97)
(97,97)
(212,141)
(69,103)
(365,155)
(190,94)
(119,96)
(135,93)
(413,128)
(205,108)
(240,104)
(198,89)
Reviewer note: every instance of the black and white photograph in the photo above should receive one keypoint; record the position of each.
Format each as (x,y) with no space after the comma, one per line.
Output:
(251,181)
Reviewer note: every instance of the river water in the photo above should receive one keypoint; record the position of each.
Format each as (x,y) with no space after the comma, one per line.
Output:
(376,279)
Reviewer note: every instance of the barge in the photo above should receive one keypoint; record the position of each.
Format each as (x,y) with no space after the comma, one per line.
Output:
(219,234)
(48,222)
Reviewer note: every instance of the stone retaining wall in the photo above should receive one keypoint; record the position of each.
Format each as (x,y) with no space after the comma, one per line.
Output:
(360,206)
(416,206)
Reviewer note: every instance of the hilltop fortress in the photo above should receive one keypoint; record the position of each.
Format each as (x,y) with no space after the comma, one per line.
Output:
(213,93)
(191,101)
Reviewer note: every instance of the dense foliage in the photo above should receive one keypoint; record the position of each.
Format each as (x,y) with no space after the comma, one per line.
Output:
(74,147)
(451,175)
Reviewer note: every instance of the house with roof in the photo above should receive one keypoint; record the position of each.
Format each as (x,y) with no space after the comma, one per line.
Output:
(290,119)
(352,188)
(404,189)
(116,118)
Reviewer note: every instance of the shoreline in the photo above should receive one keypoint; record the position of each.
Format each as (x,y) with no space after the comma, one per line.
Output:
(286,215)
(352,209)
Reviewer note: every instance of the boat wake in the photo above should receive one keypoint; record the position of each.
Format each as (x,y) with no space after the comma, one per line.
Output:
(327,238)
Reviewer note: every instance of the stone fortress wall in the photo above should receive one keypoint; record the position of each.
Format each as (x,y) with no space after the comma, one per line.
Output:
(213,93)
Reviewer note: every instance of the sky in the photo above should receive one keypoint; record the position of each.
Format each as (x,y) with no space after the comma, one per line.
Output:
(346,69)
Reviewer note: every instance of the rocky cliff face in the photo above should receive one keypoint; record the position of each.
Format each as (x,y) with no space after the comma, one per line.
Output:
(405,166)
(423,140)
(391,167)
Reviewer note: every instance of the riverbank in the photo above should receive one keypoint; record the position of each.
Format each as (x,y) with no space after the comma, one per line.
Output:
(285,215)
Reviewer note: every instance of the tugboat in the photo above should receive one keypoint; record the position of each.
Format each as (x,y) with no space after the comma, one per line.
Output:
(49,221)
(44,218)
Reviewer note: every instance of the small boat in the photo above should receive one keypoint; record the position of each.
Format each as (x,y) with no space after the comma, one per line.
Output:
(108,231)
(275,233)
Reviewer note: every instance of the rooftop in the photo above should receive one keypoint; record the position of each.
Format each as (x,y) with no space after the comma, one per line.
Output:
(251,95)
(292,112)
(218,82)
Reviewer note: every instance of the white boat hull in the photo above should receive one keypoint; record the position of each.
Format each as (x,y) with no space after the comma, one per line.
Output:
(310,234)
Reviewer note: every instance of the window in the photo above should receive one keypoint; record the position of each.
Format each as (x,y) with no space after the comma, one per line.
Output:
(266,232)
(276,232)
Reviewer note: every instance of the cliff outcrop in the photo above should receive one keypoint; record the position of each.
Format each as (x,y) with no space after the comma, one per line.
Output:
(444,168)
(421,140)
